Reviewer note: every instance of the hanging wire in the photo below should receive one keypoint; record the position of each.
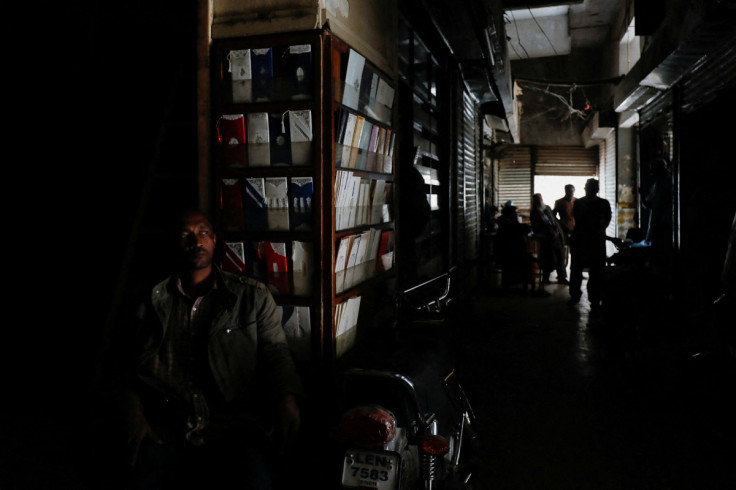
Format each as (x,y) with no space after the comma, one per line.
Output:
(518,37)
(572,86)
(568,83)
(540,28)
(567,102)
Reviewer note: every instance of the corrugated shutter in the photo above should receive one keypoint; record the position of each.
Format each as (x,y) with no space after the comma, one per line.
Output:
(658,106)
(515,178)
(566,160)
(713,76)
(520,163)
(608,184)
(494,173)
(459,182)
(468,203)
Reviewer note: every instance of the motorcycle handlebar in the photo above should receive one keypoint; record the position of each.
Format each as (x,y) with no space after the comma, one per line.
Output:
(435,301)
(447,275)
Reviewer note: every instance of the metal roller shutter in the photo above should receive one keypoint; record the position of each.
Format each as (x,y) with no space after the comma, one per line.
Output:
(515,178)
(658,106)
(566,160)
(714,75)
(468,202)
(608,184)
(519,165)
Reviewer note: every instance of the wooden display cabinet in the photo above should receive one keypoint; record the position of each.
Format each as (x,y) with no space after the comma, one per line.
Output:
(290,110)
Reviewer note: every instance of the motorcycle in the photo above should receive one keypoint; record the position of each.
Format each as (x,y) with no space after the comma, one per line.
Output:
(406,422)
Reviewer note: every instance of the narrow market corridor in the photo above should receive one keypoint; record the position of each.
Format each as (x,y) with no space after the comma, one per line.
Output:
(560,406)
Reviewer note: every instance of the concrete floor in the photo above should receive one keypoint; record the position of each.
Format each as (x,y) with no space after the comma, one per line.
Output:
(560,406)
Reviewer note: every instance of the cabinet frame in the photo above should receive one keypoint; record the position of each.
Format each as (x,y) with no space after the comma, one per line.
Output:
(323,106)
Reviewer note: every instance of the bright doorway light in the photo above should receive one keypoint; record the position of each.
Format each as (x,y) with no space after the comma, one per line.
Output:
(552,187)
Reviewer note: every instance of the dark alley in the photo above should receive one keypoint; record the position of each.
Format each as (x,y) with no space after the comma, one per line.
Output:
(562,406)
(332,155)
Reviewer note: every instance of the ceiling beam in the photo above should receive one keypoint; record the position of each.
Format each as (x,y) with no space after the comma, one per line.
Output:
(525,4)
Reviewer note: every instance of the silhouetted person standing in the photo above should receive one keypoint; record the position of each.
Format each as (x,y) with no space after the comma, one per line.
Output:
(592,216)
(563,211)
(414,205)
(552,249)
(659,203)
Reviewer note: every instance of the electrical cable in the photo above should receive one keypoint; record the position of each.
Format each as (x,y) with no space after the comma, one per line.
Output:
(518,37)
(544,33)
(568,83)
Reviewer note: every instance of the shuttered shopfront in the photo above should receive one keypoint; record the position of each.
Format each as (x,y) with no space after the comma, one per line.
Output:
(468,178)
(607,151)
(712,77)
(519,164)
(566,160)
(515,178)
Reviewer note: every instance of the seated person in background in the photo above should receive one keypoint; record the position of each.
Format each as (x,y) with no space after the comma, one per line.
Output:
(511,248)
(490,218)
(551,255)
(635,234)
(489,214)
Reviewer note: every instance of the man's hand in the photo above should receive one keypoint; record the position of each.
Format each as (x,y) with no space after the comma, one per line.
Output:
(139,429)
(288,420)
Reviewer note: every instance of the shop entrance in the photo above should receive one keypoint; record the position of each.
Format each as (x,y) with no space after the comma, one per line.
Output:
(552,187)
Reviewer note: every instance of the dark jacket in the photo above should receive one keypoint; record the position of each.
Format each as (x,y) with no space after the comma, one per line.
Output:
(592,216)
(245,331)
(247,348)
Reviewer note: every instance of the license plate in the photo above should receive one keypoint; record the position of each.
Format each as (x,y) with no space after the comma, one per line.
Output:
(371,469)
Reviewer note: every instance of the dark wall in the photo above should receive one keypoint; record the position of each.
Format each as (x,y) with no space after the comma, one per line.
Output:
(121,72)
(707,202)
(92,92)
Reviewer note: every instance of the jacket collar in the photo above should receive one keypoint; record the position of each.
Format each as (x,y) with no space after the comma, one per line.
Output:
(162,296)
(224,289)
